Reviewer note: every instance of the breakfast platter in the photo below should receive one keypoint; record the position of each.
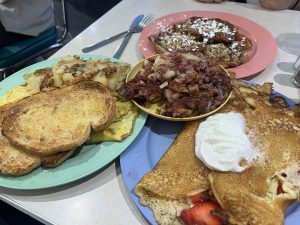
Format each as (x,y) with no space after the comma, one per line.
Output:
(215,150)
(264,45)
(158,136)
(84,161)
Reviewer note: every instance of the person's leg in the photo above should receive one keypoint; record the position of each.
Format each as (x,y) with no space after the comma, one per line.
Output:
(7,38)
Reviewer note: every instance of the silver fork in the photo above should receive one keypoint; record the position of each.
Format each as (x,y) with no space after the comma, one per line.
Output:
(135,29)
(296,76)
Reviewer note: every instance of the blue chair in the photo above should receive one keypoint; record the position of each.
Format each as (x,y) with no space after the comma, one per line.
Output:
(20,53)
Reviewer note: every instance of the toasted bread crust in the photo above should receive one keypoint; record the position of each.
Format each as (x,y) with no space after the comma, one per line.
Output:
(56,159)
(14,161)
(60,119)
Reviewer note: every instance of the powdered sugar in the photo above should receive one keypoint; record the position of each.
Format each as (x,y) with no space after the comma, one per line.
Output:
(209,27)
(179,41)
(216,38)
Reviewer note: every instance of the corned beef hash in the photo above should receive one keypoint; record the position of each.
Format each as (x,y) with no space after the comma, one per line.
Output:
(184,84)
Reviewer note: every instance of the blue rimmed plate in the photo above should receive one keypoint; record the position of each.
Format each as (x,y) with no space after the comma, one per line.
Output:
(146,150)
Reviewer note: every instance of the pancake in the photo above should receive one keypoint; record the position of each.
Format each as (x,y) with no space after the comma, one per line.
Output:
(257,196)
(179,171)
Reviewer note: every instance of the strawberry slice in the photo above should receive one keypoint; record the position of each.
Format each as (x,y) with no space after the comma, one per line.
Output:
(201,197)
(195,198)
(187,217)
(201,214)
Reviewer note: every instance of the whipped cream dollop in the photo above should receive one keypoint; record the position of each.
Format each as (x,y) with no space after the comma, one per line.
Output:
(222,143)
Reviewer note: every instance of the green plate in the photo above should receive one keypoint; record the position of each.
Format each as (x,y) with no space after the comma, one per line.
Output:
(89,158)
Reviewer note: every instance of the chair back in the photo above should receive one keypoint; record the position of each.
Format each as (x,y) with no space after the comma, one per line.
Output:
(18,54)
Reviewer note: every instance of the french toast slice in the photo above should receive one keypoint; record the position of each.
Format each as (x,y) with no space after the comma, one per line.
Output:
(16,162)
(60,119)
(57,158)
(12,160)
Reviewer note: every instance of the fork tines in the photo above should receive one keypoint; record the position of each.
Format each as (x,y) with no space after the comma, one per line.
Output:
(146,20)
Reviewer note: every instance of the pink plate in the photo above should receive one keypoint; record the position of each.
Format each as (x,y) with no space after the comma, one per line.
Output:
(264,45)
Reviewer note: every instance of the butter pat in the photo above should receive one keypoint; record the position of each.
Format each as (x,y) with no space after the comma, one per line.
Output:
(222,143)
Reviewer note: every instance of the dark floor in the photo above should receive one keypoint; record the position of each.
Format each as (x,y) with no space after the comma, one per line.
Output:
(12,216)
(81,14)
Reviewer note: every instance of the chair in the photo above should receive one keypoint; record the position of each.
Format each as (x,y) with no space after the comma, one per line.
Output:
(20,53)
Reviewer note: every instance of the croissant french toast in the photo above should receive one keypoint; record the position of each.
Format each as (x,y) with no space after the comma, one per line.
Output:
(215,38)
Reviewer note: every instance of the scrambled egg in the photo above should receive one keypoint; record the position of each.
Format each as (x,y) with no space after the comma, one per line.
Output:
(122,125)
(15,94)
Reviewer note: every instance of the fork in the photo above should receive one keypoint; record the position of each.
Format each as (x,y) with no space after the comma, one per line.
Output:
(135,29)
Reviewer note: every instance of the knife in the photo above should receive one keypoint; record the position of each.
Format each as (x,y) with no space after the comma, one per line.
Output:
(106,41)
(125,41)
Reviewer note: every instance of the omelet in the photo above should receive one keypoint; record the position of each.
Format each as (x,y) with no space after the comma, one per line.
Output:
(74,69)
(15,94)
(121,127)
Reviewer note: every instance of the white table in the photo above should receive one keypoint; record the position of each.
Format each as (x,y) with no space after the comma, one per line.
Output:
(102,198)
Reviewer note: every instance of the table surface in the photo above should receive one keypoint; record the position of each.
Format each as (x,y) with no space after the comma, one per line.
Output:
(102,198)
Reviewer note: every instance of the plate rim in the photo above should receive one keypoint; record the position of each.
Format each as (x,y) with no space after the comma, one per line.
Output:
(16,79)
(247,69)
